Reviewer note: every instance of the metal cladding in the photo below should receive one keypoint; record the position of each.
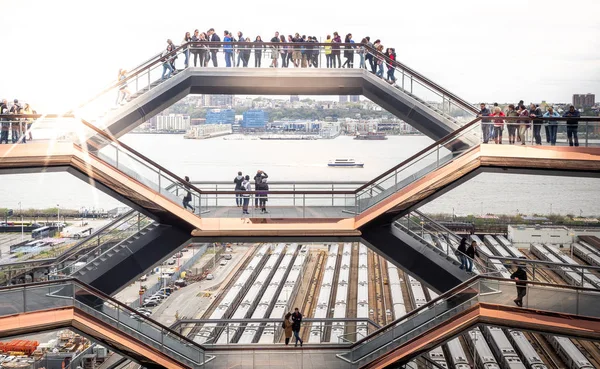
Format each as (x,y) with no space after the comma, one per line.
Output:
(341,296)
(284,299)
(246,278)
(457,355)
(506,354)
(530,357)
(569,353)
(511,249)
(417,292)
(483,353)
(495,247)
(587,252)
(592,278)
(398,305)
(317,329)
(252,295)
(362,301)
(486,253)
(568,274)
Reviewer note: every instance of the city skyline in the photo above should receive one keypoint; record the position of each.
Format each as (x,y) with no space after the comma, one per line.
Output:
(82,54)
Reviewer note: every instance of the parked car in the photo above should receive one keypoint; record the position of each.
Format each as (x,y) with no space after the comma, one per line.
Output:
(210,277)
(180,283)
(227,257)
(228,249)
(223,263)
(178,255)
(144,278)
(151,303)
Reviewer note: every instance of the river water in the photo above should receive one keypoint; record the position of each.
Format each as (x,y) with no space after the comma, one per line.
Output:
(219,160)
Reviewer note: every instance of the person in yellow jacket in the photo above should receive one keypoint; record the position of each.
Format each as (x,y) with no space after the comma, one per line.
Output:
(328,52)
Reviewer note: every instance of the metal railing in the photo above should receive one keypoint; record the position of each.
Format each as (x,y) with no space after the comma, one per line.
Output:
(72,293)
(539,296)
(150,74)
(232,329)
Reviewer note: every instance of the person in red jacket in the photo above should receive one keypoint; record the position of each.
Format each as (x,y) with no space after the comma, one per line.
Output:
(498,125)
(391,53)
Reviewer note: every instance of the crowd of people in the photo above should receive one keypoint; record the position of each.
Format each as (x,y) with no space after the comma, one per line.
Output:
(533,116)
(283,55)
(18,129)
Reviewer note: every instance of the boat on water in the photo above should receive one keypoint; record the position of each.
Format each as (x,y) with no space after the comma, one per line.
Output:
(345,163)
(370,136)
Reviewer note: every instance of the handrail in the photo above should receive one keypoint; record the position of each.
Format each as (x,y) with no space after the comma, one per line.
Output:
(451,293)
(414,156)
(104,296)
(138,154)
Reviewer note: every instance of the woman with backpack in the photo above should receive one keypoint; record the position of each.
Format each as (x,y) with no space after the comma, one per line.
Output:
(287,328)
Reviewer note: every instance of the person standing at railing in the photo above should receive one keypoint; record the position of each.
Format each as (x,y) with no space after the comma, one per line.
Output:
(187,38)
(290,50)
(572,125)
(194,50)
(313,52)
(335,50)
(188,195)
(461,253)
(263,187)
(204,52)
(238,188)
(552,125)
(511,125)
(287,327)
(228,49)
(246,50)
(15,125)
(124,93)
(523,124)
(328,59)
(374,58)
(238,49)
(498,125)
(348,52)
(391,54)
(380,61)
(283,51)
(361,53)
(296,324)
(258,47)
(471,252)
(174,56)
(367,54)
(166,59)
(485,123)
(274,51)
(536,113)
(520,275)
(297,53)
(28,122)
(246,188)
(258,178)
(5,125)
(213,37)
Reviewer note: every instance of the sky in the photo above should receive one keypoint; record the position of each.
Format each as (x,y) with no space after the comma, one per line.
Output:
(57,54)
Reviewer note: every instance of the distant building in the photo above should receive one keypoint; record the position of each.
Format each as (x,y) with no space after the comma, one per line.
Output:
(220,101)
(255,119)
(294,98)
(584,101)
(172,122)
(343,99)
(354,98)
(220,116)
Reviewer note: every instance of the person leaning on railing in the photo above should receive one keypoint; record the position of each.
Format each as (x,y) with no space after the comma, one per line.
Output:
(213,37)
(536,112)
(258,47)
(328,58)
(274,51)
(511,125)
(523,124)
(498,125)
(572,125)
(485,123)
(552,125)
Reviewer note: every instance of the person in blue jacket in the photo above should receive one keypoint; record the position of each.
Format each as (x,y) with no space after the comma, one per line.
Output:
(228,49)
(552,125)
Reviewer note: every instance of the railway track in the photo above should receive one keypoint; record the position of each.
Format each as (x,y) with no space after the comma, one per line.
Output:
(352,291)
(545,351)
(589,350)
(192,333)
(375,293)
(385,288)
(310,298)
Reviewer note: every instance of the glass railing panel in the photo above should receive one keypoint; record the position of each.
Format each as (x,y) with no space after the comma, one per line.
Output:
(588,303)
(48,297)
(13,302)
